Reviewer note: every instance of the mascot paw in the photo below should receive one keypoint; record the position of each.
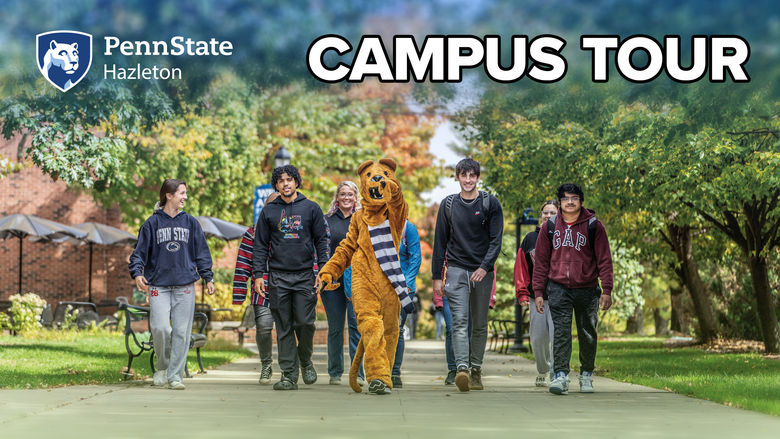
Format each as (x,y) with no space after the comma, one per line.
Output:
(325,282)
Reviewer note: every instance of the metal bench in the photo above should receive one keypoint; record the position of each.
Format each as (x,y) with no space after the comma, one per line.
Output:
(247,322)
(138,337)
(206,309)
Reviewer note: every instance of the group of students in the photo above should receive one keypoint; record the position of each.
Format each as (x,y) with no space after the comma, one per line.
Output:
(559,265)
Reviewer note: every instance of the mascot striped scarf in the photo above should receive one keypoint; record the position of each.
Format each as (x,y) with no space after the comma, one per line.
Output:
(387,256)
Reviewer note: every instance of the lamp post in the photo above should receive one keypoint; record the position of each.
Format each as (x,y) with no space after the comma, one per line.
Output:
(526,219)
(282,157)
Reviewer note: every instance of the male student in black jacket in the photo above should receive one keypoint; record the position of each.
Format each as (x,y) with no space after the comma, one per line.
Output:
(469,226)
(288,232)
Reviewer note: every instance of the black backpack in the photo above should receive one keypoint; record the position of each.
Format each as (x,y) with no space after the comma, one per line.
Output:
(591,228)
(448,207)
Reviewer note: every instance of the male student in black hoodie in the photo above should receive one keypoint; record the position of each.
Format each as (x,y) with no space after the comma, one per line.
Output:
(288,232)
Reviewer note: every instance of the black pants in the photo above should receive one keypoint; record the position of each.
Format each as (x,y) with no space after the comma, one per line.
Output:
(292,301)
(585,303)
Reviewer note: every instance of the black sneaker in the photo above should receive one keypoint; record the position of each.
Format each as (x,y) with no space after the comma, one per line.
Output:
(377,387)
(462,379)
(397,383)
(450,378)
(285,384)
(309,374)
(265,374)
(475,383)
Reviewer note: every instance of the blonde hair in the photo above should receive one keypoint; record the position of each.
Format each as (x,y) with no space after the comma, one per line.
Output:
(334,205)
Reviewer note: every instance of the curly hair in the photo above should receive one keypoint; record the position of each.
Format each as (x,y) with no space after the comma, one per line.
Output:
(334,205)
(570,188)
(290,170)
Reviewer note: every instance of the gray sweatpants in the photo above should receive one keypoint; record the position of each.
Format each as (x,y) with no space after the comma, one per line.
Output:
(462,295)
(541,331)
(264,323)
(172,309)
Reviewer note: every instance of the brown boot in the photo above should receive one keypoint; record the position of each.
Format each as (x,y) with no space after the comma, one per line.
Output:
(476,379)
(462,379)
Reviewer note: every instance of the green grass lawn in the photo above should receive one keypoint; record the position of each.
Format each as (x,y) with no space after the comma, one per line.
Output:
(57,358)
(741,380)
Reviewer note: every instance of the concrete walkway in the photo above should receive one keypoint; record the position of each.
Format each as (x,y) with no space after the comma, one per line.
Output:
(228,403)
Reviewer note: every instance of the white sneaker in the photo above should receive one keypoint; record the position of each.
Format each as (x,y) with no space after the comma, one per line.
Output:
(176,385)
(361,381)
(541,380)
(160,378)
(586,382)
(560,385)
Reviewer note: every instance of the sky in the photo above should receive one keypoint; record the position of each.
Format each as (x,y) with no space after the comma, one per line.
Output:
(467,94)
(445,135)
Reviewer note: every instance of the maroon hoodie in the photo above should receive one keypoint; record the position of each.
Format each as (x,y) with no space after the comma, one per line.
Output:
(570,259)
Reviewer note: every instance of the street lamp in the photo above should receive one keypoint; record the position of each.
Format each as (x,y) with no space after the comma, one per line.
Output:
(282,158)
(526,219)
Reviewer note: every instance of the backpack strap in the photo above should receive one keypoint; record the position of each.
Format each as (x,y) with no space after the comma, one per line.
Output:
(592,230)
(448,210)
(551,227)
(485,202)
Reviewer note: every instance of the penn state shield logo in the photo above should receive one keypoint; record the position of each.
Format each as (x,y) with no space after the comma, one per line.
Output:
(64,57)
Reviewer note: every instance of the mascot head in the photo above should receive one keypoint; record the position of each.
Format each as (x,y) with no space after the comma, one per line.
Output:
(374,177)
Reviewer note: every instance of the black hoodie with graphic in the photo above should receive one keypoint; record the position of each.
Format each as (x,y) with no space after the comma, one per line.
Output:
(287,236)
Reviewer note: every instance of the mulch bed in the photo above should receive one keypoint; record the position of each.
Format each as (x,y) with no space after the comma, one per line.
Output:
(723,346)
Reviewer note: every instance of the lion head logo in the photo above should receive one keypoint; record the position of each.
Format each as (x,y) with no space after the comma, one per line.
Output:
(64,57)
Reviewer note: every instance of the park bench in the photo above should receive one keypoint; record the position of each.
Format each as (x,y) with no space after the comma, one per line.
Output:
(501,333)
(86,314)
(138,338)
(206,309)
(247,323)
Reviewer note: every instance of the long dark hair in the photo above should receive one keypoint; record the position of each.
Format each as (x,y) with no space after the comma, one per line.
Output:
(169,186)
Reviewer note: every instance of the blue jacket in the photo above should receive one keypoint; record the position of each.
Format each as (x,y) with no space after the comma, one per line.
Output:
(409,254)
(171,251)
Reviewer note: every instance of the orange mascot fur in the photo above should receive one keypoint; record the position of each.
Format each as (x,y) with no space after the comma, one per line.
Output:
(376,303)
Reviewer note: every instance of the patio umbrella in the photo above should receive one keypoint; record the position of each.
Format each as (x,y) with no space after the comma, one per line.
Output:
(219,229)
(102,234)
(21,226)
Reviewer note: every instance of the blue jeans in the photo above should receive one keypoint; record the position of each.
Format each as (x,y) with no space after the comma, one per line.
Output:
(448,338)
(399,349)
(336,306)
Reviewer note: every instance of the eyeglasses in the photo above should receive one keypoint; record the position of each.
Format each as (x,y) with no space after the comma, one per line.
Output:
(570,198)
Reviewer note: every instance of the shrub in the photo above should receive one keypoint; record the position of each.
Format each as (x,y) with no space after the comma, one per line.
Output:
(223,298)
(5,321)
(25,312)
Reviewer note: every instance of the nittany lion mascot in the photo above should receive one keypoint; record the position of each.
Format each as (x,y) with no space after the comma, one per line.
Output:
(378,285)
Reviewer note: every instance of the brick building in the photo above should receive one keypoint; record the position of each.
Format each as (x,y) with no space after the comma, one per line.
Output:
(57,271)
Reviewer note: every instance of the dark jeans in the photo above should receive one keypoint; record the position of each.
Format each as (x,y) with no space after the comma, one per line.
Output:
(585,304)
(448,337)
(399,349)
(292,302)
(336,306)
